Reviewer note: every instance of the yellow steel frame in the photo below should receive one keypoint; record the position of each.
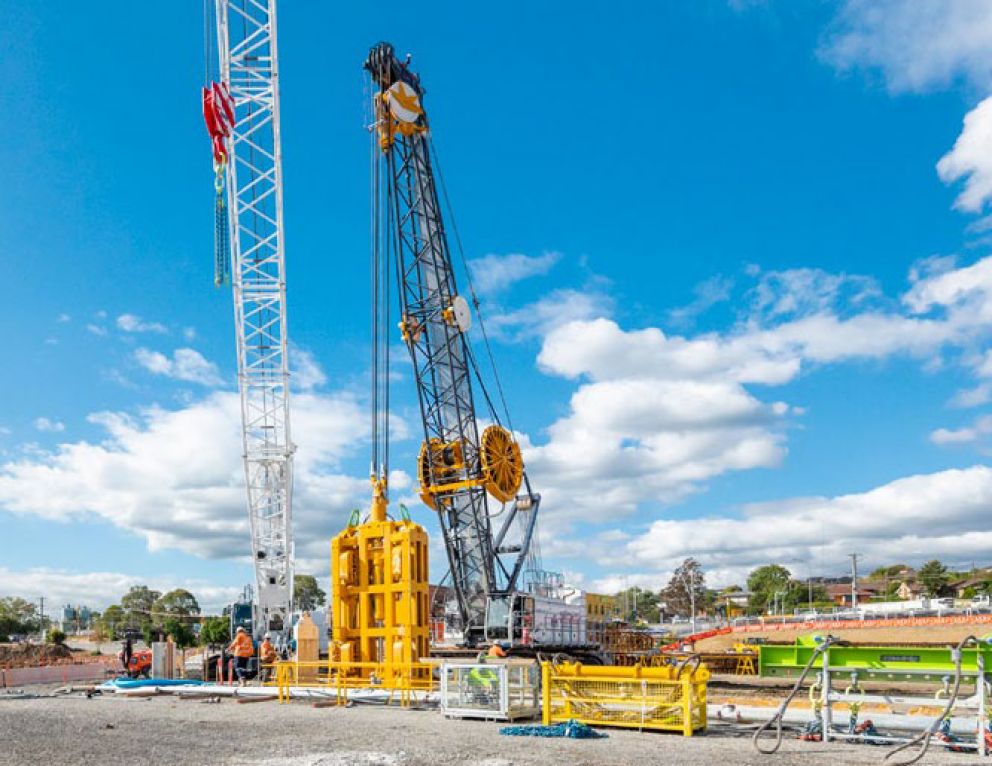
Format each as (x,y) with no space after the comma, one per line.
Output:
(403,681)
(632,697)
(381,611)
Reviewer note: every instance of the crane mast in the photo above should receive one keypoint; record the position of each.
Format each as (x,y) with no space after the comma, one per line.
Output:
(459,468)
(246,36)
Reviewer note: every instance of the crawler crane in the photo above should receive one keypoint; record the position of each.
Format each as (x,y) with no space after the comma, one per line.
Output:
(242,116)
(471,474)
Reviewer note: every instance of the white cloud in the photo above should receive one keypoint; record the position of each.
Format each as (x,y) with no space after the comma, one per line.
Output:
(496,273)
(709,293)
(185,364)
(981,427)
(972,397)
(542,316)
(98,590)
(807,291)
(971,159)
(175,477)
(656,416)
(49,426)
(133,323)
(940,515)
(96,329)
(917,45)
(306,372)
(63,318)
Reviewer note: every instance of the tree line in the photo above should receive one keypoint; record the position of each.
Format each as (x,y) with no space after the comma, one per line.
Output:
(773,587)
(151,614)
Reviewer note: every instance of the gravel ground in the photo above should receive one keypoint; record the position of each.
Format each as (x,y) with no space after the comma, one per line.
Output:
(114,731)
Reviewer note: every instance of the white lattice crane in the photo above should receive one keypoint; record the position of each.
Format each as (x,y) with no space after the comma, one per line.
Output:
(242,115)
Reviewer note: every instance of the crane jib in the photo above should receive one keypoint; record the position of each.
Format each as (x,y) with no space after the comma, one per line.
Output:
(459,468)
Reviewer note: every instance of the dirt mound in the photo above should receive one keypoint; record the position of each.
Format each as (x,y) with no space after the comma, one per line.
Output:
(33,655)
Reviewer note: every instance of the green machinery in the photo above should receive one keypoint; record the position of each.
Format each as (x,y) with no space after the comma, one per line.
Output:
(841,667)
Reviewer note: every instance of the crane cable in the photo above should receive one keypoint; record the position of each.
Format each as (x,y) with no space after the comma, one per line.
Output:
(925,737)
(475,298)
(780,713)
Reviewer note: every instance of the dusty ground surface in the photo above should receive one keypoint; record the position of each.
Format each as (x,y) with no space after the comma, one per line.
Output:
(114,731)
(950,634)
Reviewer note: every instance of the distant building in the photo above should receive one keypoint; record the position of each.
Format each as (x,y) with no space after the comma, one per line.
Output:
(910,591)
(976,581)
(601,612)
(840,593)
(733,604)
(72,619)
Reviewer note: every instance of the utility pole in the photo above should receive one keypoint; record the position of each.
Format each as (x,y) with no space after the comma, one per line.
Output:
(692,604)
(854,580)
(41,616)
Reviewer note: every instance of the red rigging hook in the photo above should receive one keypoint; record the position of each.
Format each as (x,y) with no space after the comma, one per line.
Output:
(218,114)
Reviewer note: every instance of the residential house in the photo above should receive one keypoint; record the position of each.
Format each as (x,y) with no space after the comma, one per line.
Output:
(840,593)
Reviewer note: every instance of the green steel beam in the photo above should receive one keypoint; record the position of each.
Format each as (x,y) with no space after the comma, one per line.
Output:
(880,662)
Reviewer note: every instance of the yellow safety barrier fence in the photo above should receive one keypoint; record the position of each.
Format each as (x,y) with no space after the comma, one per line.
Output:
(667,698)
(402,681)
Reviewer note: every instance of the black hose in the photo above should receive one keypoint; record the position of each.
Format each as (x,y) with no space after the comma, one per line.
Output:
(924,738)
(777,718)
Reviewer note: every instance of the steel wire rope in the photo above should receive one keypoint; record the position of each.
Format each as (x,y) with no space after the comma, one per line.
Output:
(206,43)
(925,737)
(471,287)
(374,301)
(780,713)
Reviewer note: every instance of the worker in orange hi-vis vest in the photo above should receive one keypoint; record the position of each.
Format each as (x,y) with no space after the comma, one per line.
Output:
(267,655)
(242,649)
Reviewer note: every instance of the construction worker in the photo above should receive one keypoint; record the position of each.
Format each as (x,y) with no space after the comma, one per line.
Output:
(496,650)
(242,649)
(267,655)
(126,653)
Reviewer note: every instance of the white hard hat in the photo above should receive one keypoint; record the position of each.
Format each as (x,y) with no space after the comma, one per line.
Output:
(240,629)
(268,636)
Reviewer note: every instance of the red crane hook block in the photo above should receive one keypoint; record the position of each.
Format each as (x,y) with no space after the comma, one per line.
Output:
(218,114)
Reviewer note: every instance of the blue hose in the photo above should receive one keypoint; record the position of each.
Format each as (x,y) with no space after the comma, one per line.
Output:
(572,729)
(137,683)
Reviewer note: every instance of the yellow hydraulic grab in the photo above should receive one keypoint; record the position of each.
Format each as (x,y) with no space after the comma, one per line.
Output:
(380,594)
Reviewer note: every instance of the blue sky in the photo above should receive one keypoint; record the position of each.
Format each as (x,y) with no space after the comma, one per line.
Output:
(741,312)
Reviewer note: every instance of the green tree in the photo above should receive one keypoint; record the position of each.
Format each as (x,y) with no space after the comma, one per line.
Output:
(686,589)
(99,630)
(182,634)
(137,604)
(307,593)
(764,582)
(215,631)
(113,619)
(798,593)
(639,605)
(179,604)
(933,575)
(888,571)
(55,636)
(17,616)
